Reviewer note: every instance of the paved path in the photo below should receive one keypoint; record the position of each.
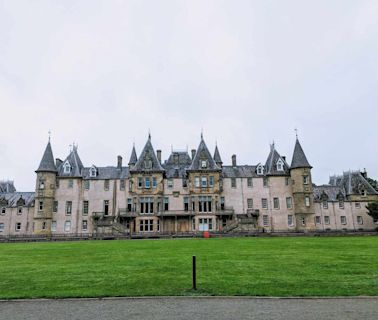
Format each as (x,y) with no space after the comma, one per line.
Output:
(191,308)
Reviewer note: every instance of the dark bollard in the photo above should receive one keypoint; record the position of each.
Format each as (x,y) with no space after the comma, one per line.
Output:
(194,273)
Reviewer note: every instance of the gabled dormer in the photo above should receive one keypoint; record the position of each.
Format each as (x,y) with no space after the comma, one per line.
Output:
(67,167)
(260,169)
(93,171)
(275,164)
(72,165)
(280,165)
(203,160)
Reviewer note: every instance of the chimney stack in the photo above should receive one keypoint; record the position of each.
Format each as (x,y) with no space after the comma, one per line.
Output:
(58,162)
(119,162)
(158,155)
(234,160)
(364,174)
(193,153)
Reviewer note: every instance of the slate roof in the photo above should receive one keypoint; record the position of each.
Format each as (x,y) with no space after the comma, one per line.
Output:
(75,162)
(239,172)
(299,158)
(330,193)
(148,153)
(7,187)
(133,158)
(177,164)
(352,182)
(47,163)
(106,173)
(217,157)
(203,153)
(25,198)
(271,163)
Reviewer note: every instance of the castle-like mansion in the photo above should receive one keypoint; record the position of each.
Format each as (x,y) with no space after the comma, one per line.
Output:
(186,193)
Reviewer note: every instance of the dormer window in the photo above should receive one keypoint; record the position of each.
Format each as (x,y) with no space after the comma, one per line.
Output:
(93,172)
(260,169)
(363,193)
(67,167)
(280,165)
(203,164)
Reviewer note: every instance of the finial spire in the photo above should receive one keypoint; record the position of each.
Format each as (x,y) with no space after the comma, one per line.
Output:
(49,135)
(149,134)
(296,132)
(201,133)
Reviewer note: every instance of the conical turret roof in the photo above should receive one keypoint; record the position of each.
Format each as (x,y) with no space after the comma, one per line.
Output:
(299,158)
(47,163)
(133,157)
(217,157)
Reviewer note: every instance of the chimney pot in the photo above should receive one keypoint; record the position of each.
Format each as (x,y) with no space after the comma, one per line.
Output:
(119,162)
(158,155)
(193,153)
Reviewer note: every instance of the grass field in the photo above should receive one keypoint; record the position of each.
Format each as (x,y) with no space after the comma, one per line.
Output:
(295,266)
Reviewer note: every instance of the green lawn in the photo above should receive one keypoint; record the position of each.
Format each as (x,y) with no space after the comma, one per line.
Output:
(294,266)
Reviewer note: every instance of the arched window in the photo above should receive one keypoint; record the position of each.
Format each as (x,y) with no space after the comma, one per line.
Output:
(93,172)
(67,167)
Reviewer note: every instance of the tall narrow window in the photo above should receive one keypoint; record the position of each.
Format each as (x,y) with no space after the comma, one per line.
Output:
(106,207)
(166,204)
(290,221)
(203,182)
(154,182)
(140,182)
(122,184)
(265,182)
(40,206)
(343,220)
(68,207)
(265,220)
(86,184)
(289,202)
(186,203)
(233,182)
(85,207)
(249,182)
(67,226)
(55,206)
(129,204)
(147,183)
(250,203)
(305,180)
(326,220)
(197,182)
(106,185)
(264,203)
(307,201)
(276,203)
(70,183)
(211,181)
(53,226)
(84,225)
(222,203)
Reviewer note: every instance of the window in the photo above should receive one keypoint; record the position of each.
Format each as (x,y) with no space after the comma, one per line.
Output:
(305,180)
(186,203)
(287,181)
(3,210)
(41,184)
(317,220)
(211,181)
(18,226)
(1,227)
(158,225)
(326,220)
(265,182)
(341,204)
(122,184)
(197,182)
(146,205)
(265,220)
(106,207)
(154,182)
(222,203)
(43,225)
(67,167)
(68,207)
(276,203)
(250,203)
(303,221)
(264,203)
(249,182)
(146,225)
(343,220)
(325,204)
(260,169)
(140,182)
(166,204)
(358,205)
(184,183)
(93,172)
(233,182)
(53,226)
(170,183)
(67,226)
(131,182)
(359,220)
(86,184)
(85,208)
(129,205)
(205,224)
(70,183)
(289,202)
(147,183)
(193,224)
(363,193)
(280,165)
(290,220)
(203,164)
(55,206)
(203,182)
(84,225)
(40,206)
(106,185)
(204,204)
(307,201)
(19,211)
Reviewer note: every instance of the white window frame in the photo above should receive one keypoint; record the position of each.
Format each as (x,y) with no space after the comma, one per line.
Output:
(66,167)
(280,165)
(67,226)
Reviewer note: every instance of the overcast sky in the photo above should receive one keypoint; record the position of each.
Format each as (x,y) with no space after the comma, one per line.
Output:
(102,73)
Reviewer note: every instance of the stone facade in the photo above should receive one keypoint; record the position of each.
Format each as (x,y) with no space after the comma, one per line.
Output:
(186,193)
